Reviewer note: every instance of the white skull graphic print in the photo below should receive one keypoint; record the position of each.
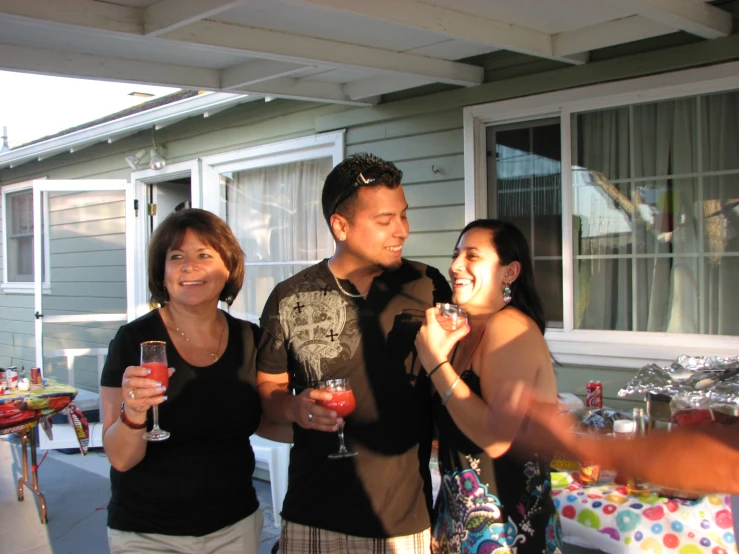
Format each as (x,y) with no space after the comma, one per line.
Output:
(315,326)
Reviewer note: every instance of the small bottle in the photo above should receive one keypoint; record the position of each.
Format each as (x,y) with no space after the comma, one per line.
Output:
(635,486)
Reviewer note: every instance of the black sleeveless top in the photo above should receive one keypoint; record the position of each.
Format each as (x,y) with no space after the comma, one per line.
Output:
(487,503)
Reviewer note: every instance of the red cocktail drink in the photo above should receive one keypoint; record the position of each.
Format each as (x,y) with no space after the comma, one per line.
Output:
(159,372)
(342,402)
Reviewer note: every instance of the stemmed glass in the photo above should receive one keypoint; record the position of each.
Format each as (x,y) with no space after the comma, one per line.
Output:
(342,402)
(451,316)
(154,357)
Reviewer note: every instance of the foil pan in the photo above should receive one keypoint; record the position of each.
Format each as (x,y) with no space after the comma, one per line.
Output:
(694,379)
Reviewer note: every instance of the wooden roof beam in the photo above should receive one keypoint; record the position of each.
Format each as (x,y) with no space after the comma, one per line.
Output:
(167,15)
(697,17)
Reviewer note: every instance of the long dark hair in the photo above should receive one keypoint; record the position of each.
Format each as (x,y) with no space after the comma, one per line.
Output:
(511,246)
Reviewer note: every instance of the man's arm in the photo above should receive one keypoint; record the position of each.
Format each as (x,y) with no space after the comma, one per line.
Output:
(699,459)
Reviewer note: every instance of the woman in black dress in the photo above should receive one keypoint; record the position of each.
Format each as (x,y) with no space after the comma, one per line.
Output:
(490,500)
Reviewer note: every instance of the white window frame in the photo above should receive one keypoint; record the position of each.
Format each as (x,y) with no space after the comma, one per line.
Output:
(322,145)
(17,287)
(627,349)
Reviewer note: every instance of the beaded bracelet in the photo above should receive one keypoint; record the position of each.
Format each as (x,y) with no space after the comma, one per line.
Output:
(127,422)
(436,368)
(448,393)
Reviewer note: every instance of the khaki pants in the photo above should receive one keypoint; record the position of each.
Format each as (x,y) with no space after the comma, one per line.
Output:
(240,538)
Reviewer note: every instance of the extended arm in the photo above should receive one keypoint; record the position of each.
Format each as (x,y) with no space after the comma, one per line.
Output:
(700,459)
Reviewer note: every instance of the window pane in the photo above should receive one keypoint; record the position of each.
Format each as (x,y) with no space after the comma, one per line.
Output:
(602,219)
(666,221)
(19,233)
(528,193)
(548,279)
(547,192)
(258,284)
(603,292)
(721,214)
(720,294)
(601,143)
(275,213)
(666,297)
(665,138)
(720,131)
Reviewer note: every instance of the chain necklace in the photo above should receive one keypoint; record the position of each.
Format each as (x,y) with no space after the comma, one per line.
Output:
(211,354)
(349,294)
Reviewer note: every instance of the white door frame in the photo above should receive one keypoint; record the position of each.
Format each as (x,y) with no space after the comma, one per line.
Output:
(64,435)
(141,180)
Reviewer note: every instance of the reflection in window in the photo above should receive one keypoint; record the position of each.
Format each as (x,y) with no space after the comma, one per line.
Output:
(526,190)
(655,218)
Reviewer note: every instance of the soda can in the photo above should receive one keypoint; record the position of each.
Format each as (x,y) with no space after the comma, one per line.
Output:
(594,394)
(11,376)
(36,375)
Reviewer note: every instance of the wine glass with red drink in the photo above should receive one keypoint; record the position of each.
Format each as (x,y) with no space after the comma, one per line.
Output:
(342,402)
(154,358)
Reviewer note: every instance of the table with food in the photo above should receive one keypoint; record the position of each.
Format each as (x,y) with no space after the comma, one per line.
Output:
(23,405)
(618,515)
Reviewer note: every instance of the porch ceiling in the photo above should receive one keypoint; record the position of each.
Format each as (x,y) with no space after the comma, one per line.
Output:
(345,51)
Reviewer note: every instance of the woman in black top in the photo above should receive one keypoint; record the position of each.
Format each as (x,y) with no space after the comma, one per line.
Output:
(489,498)
(192,492)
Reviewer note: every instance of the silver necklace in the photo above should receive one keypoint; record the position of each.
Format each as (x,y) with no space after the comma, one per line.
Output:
(211,354)
(349,294)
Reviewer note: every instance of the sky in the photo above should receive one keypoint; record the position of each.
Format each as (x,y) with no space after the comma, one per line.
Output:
(35,106)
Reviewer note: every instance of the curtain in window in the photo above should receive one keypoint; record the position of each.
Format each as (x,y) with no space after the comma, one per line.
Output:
(275,213)
(20,236)
(651,228)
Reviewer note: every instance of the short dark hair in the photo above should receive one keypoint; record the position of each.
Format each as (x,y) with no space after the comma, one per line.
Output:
(341,185)
(511,246)
(213,231)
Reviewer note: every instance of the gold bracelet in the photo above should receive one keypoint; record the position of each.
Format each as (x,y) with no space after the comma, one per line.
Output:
(448,393)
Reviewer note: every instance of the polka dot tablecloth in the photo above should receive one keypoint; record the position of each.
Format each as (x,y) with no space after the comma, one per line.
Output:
(607,518)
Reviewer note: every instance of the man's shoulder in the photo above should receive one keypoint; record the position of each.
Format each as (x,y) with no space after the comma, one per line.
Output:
(411,270)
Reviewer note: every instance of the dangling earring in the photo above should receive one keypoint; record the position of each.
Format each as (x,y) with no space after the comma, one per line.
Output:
(229,300)
(507,293)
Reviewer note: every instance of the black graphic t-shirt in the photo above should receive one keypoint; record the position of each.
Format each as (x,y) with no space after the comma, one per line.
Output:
(314,331)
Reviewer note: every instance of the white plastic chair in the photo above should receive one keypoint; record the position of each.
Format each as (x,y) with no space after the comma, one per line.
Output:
(277,457)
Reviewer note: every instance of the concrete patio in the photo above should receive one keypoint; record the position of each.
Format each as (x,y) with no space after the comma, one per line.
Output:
(77,490)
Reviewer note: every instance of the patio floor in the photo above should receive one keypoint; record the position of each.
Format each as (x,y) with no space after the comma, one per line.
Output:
(77,490)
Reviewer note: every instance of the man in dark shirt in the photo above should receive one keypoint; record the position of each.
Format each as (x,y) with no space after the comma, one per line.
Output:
(354,316)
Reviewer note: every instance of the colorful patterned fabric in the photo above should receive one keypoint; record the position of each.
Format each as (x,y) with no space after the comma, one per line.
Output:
(607,518)
(22,410)
(490,505)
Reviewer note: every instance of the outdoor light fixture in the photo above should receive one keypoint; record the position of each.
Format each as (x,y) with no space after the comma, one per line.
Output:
(157,161)
(156,158)
(135,159)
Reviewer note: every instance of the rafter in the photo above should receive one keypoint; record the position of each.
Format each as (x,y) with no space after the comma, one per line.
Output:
(619,31)
(693,16)
(313,51)
(256,71)
(305,89)
(167,15)
(452,23)
(70,64)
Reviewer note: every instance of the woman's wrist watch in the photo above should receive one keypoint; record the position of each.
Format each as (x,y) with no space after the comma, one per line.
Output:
(127,422)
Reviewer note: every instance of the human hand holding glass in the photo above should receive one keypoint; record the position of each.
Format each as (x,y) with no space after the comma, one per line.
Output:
(343,403)
(450,316)
(154,358)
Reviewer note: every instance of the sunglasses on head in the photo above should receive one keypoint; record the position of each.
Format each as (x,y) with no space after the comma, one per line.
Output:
(369,176)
